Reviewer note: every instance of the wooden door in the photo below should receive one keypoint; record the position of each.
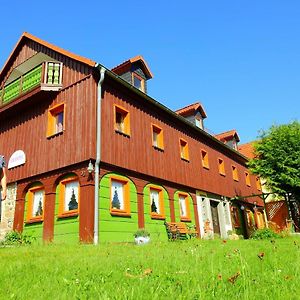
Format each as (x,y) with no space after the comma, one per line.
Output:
(215,216)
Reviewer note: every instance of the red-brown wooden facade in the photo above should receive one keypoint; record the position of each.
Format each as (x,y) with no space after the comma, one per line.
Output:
(24,126)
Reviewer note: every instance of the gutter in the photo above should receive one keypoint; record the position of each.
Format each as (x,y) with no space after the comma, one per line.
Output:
(98,155)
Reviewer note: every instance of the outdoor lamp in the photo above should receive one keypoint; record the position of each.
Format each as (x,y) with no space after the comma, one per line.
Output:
(90,167)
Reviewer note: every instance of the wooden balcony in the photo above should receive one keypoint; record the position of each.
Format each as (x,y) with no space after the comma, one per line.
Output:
(47,76)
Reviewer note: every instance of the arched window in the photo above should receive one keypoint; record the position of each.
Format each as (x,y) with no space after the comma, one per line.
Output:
(35,199)
(69,196)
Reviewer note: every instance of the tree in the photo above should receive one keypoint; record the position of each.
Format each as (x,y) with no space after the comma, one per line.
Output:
(153,206)
(73,204)
(277,158)
(39,210)
(116,202)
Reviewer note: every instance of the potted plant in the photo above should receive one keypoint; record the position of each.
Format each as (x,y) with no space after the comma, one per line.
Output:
(141,236)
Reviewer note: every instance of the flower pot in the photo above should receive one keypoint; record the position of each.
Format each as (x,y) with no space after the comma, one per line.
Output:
(140,240)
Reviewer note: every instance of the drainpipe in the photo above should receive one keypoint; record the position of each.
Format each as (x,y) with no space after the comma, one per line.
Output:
(98,156)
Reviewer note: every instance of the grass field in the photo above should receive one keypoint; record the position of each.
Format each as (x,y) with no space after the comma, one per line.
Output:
(198,269)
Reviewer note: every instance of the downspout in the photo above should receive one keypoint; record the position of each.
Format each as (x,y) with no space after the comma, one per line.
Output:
(98,156)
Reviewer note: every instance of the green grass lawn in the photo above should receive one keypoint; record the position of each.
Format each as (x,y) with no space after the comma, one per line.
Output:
(198,269)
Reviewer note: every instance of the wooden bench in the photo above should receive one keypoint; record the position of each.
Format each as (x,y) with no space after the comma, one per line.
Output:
(180,231)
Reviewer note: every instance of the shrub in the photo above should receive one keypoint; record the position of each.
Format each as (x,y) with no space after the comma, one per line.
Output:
(16,238)
(263,234)
(141,232)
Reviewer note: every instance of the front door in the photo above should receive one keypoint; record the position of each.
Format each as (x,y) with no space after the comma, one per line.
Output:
(215,216)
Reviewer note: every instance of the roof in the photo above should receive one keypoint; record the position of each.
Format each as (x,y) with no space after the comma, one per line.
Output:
(126,65)
(227,135)
(28,36)
(247,149)
(191,109)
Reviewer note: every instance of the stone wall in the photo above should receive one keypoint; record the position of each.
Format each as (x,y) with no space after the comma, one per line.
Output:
(8,210)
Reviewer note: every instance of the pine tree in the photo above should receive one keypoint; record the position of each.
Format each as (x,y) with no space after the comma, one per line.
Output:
(39,211)
(73,204)
(116,202)
(153,206)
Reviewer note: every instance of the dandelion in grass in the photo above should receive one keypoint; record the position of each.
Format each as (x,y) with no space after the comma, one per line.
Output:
(261,255)
(234,277)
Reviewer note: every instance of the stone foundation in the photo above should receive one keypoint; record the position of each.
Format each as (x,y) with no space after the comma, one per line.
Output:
(8,210)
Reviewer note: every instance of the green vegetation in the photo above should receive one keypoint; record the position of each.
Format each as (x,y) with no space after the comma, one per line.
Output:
(262,234)
(192,269)
(17,239)
(278,158)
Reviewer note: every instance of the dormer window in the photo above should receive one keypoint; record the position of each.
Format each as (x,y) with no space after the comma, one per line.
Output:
(199,120)
(193,113)
(138,82)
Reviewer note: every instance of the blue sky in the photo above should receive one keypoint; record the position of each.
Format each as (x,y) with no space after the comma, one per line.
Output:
(240,59)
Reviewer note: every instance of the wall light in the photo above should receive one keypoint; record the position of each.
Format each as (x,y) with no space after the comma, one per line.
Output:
(90,167)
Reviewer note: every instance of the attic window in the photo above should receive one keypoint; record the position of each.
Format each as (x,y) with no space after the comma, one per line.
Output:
(138,82)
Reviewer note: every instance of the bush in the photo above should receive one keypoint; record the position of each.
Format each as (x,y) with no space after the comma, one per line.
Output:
(141,232)
(17,239)
(263,234)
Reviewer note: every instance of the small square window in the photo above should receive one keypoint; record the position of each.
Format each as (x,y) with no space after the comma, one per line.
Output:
(119,197)
(184,150)
(69,197)
(157,137)
(122,124)
(221,165)
(156,203)
(235,173)
(56,120)
(35,207)
(138,82)
(258,184)
(247,177)
(184,207)
(204,157)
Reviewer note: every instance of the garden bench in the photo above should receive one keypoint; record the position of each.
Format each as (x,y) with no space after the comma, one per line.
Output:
(180,231)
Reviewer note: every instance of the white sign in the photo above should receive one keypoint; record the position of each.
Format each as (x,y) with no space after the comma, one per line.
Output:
(18,158)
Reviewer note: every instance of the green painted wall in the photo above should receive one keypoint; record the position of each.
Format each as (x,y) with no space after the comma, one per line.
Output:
(116,228)
(177,210)
(66,230)
(156,227)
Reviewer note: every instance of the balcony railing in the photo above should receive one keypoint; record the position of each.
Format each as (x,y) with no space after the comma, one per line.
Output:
(47,75)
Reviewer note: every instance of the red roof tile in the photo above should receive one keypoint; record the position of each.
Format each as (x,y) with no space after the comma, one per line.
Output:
(227,135)
(190,109)
(125,66)
(247,150)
